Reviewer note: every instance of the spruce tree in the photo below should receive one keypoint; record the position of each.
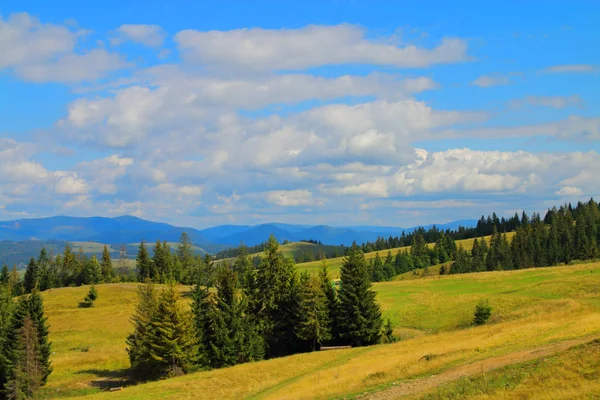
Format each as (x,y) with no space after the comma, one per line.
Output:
(314,317)
(275,300)
(360,316)
(92,272)
(106,266)
(92,296)
(6,312)
(31,276)
(173,343)
(185,256)
(5,275)
(243,267)
(44,266)
(138,342)
(40,321)
(377,274)
(27,375)
(143,264)
(331,301)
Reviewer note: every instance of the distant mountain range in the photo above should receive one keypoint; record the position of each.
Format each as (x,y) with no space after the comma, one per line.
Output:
(130,230)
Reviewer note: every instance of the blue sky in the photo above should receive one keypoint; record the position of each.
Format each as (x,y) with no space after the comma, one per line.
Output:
(328,112)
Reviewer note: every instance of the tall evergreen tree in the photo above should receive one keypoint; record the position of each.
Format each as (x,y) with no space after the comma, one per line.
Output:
(138,342)
(40,321)
(173,346)
(360,316)
(143,264)
(275,300)
(92,272)
(106,265)
(26,375)
(45,273)
(185,256)
(314,324)
(31,276)
(331,302)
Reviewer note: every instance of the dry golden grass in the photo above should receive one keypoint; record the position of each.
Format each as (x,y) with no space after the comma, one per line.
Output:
(531,308)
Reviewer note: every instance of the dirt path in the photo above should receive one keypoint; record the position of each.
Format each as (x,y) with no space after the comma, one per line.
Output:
(423,384)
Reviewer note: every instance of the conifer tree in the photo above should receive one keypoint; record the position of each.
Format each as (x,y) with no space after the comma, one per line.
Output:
(15,285)
(26,375)
(143,264)
(243,267)
(106,265)
(31,276)
(138,342)
(92,272)
(331,301)
(377,274)
(4,275)
(185,256)
(44,266)
(40,321)
(314,319)
(92,296)
(6,311)
(68,268)
(173,344)
(360,316)
(275,300)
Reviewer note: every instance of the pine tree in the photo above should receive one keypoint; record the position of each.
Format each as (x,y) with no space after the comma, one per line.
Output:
(92,296)
(377,274)
(314,319)
(143,264)
(360,317)
(6,312)
(92,272)
(173,346)
(106,266)
(185,256)
(44,266)
(26,377)
(243,267)
(31,276)
(275,300)
(40,321)
(5,275)
(331,302)
(138,342)
(15,285)
(68,268)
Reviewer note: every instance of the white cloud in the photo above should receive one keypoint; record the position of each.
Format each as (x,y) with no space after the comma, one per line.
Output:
(569,191)
(72,68)
(293,49)
(46,52)
(71,184)
(569,68)
(549,101)
(489,81)
(377,188)
(288,198)
(149,35)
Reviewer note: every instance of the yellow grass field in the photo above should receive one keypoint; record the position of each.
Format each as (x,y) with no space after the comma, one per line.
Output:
(533,311)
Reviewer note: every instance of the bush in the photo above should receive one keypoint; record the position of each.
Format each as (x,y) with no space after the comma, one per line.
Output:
(483,311)
(388,332)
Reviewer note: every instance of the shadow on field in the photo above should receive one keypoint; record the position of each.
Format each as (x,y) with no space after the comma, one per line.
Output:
(109,378)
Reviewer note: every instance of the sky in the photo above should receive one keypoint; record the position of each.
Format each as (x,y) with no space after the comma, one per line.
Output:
(312,112)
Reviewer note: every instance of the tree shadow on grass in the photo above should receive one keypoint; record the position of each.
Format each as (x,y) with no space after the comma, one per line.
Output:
(109,378)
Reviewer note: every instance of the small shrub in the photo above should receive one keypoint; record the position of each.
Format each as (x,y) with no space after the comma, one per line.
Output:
(388,332)
(91,297)
(483,311)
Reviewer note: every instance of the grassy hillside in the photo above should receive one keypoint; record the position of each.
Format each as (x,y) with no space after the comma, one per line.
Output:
(334,264)
(297,250)
(533,309)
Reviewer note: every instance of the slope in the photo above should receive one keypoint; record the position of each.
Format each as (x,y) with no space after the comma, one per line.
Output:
(532,308)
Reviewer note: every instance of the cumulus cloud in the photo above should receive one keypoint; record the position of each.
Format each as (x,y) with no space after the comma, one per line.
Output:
(569,191)
(293,49)
(149,35)
(46,52)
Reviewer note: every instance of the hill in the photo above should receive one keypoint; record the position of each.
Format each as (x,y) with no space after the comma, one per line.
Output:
(334,264)
(537,312)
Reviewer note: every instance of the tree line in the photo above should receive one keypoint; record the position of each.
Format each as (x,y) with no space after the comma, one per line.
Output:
(240,314)
(564,235)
